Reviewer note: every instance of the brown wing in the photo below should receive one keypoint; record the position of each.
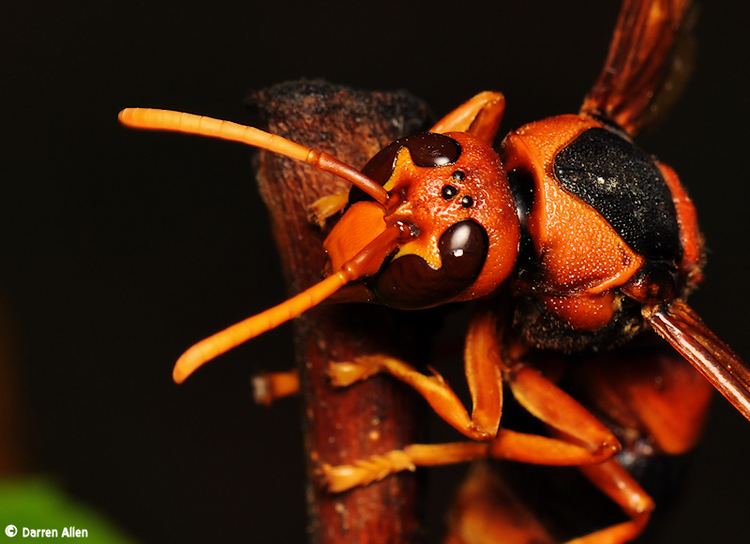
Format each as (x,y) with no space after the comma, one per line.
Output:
(679,325)
(648,63)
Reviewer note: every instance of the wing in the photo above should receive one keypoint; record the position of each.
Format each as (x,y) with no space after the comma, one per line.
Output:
(649,61)
(679,325)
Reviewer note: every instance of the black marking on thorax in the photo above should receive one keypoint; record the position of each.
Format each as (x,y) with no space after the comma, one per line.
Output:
(623,184)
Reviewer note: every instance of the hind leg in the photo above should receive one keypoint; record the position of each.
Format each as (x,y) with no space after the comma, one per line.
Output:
(615,482)
(486,511)
(652,393)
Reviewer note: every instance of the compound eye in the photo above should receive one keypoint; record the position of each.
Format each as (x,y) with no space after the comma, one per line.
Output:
(430,149)
(408,282)
(427,149)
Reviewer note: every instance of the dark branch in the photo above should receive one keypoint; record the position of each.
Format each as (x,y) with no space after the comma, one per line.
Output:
(373,417)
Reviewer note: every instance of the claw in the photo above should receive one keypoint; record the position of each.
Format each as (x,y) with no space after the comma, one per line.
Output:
(365,471)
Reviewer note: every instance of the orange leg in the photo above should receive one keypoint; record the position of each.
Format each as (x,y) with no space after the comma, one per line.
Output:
(583,439)
(486,511)
(271,386)
(365,471)
(608,476)
(508,445)
(482,365)
(578,429)
(653,393)
(619,486)
(570,421)
(325,207)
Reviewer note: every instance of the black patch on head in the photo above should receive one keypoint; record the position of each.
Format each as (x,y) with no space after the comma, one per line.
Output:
(409,283)
(623,184)
(458,175)
(427,149)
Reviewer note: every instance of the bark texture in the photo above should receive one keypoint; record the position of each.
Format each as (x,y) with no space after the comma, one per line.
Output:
(375,416)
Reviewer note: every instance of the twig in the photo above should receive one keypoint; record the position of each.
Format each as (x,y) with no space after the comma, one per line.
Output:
(372,417)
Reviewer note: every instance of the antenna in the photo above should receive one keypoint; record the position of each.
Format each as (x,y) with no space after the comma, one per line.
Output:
(187,123)
(364,263)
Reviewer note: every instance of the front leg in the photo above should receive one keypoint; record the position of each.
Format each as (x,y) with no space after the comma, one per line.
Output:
(482,366)
(326,207)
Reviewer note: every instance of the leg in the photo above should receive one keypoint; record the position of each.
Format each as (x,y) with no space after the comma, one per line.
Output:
(608,476)
(482,365)
(363,472)
(480,116)
(326,206)
(618,485)
(433,388)
(486,511)
(508,445)
(566,416)
(583,439)
(540,396)
(650,392)
(271,386)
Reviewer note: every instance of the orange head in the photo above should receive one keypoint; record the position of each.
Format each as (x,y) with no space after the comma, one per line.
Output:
(450,199)
(430,219)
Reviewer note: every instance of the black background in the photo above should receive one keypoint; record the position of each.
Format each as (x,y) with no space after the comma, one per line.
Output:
(121,248)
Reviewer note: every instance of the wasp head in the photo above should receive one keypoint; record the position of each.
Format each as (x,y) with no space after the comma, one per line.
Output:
(449,197)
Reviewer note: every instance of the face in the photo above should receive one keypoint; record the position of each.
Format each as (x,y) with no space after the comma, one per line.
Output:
(450,198)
